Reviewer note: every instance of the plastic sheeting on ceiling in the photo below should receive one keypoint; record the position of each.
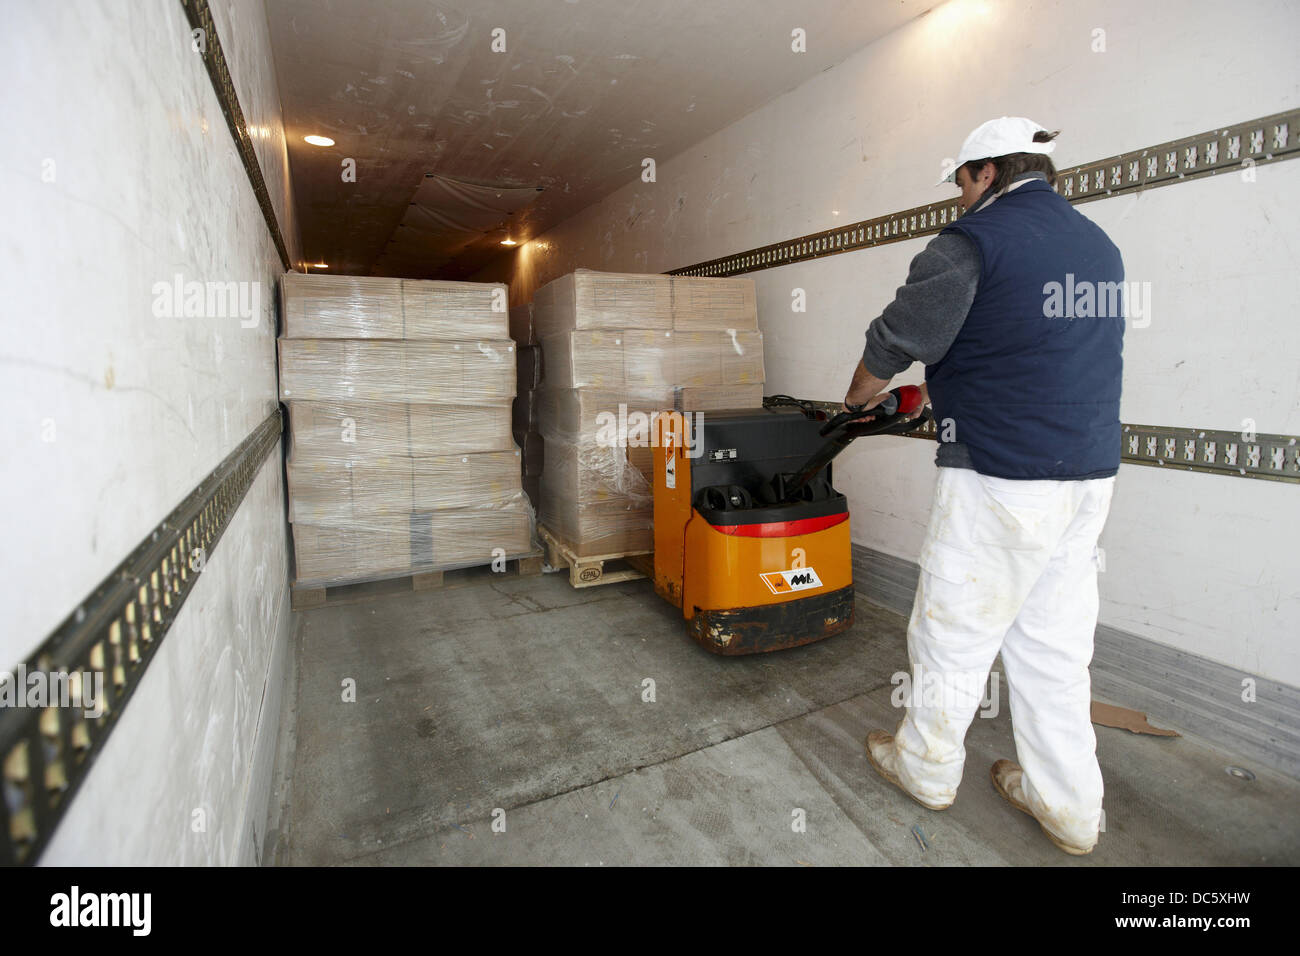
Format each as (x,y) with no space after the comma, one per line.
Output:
(445,215)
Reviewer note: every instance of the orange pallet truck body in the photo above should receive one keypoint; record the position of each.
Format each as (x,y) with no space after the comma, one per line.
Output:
(751,538)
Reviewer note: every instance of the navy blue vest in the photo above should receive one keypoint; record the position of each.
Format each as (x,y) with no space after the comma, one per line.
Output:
(1031,383)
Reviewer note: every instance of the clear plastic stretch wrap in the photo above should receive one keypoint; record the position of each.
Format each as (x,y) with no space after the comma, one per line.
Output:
(642,358)
(706,398)
(595,500)
(595,491)
(613,300)
(701,304)
(592,473)
(595,416)
(591,416)
(373,429)
(339,490)
(360,307)
(611,527)
(453,310)
(429,372)
(603,300)
(384,546)
(349,307)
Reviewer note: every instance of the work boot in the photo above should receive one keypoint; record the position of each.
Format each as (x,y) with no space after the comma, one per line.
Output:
(881,753)
(1008,781)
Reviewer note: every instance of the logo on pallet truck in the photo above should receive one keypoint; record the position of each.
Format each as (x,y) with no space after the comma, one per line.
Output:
(786,582)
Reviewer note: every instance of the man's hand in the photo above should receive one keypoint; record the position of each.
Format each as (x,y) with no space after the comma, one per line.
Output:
(871,403)
(877,399)
(865,389)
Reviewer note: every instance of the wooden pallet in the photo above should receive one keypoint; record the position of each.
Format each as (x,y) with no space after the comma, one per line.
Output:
(306,596)
(586,572)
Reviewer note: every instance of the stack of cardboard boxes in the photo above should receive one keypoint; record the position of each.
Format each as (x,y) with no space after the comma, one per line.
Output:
(618,349)
(401,457)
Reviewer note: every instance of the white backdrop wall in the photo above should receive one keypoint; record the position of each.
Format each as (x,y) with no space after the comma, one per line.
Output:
(121,173)
(1199,562)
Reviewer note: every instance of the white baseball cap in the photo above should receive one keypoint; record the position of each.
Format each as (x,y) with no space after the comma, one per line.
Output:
(998,137)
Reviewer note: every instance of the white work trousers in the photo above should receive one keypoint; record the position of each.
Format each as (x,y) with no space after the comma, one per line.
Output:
(1010,566)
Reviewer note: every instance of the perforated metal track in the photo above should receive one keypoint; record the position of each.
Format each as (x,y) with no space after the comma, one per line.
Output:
(1229,150)
(1235,454)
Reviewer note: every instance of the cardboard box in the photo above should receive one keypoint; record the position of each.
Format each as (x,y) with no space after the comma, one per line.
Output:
(603,300)
(716,397)
(377,429)
(642,459)
(702,304)
(334,491)
(443,539)
(336,554)
(454,310)
(641,358)
(609,527)
(393,545)
(466,481)
(447,429)
(742,360)
(324,491)
(584,415)
(347,429)
(362,307)
(340,307)
(589,473)
(583,359)
(432,372)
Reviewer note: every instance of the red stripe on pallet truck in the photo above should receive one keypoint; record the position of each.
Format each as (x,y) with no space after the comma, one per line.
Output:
(781,529)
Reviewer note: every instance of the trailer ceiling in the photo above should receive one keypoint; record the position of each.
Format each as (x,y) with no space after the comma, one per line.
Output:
(583,92)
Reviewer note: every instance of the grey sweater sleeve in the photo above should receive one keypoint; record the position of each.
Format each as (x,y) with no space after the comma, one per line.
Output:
(928,311)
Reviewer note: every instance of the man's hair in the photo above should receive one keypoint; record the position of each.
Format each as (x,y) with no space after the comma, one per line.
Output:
(1010,166)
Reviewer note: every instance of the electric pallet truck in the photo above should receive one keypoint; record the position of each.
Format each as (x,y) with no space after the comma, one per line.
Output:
(751,537)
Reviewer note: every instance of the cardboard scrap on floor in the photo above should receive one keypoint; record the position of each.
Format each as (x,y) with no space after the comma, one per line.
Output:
(1108,715)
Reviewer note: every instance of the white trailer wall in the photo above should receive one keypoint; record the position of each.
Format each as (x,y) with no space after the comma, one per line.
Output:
(1197,562)
(120,173)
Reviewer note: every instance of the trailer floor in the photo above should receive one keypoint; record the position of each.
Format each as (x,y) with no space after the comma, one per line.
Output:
(522,695)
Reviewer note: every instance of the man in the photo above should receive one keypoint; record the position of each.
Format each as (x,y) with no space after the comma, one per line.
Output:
(1027,408)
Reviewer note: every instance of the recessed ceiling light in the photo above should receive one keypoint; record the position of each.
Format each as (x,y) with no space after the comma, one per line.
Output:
(508,242)
(319,140)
